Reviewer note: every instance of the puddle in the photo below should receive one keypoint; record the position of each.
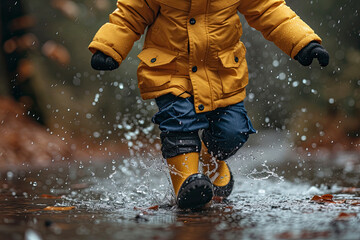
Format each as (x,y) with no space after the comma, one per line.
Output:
(112,201)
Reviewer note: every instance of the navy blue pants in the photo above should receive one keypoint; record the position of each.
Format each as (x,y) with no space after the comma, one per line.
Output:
(225,129)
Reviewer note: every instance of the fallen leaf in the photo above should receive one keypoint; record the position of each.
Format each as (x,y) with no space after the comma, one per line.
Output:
(33,210)
(316,198)
(155,208)
(53,208)
(355,203)
(303,235)
(327,198)
(345,216)
(218,199)
(50,196)
(229,207)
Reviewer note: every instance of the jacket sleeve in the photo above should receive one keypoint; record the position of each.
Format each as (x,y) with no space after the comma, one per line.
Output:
(125,26)
(279,24)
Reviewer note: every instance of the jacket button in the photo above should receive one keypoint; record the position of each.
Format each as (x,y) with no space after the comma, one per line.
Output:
(236,59)
(194,69)
(201,107)
(153,60)
(192,21)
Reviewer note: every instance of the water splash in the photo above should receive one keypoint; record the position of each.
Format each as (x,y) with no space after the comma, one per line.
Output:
(97,96)
(264,174)
(134,183)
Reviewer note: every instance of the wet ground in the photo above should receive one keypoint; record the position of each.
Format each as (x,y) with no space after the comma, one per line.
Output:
(131,199)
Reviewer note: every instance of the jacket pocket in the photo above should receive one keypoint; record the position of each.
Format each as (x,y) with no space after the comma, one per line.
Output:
(233,68)
(155,68)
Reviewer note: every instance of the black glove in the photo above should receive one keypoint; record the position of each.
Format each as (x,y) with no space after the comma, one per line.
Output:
(311,51)
(101,61)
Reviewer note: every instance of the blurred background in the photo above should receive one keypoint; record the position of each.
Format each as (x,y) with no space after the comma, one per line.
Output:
(53,106)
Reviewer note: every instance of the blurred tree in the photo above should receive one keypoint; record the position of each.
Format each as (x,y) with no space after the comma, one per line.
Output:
(15,43)
(79,101)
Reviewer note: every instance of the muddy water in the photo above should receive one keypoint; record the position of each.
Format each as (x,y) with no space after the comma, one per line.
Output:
(131,199)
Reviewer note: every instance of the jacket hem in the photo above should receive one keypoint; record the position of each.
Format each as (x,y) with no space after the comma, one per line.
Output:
(97,46)
(305,41)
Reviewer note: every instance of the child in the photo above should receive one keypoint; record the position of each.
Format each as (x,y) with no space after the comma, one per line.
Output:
(193,64)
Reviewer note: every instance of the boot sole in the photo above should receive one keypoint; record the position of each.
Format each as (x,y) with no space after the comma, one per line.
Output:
(224,191)
(196,191)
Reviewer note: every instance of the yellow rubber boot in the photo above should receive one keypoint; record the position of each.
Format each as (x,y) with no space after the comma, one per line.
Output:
(218,172)
(181,167)
(192,189)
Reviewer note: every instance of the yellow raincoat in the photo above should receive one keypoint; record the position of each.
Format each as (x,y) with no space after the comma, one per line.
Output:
(194,46)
